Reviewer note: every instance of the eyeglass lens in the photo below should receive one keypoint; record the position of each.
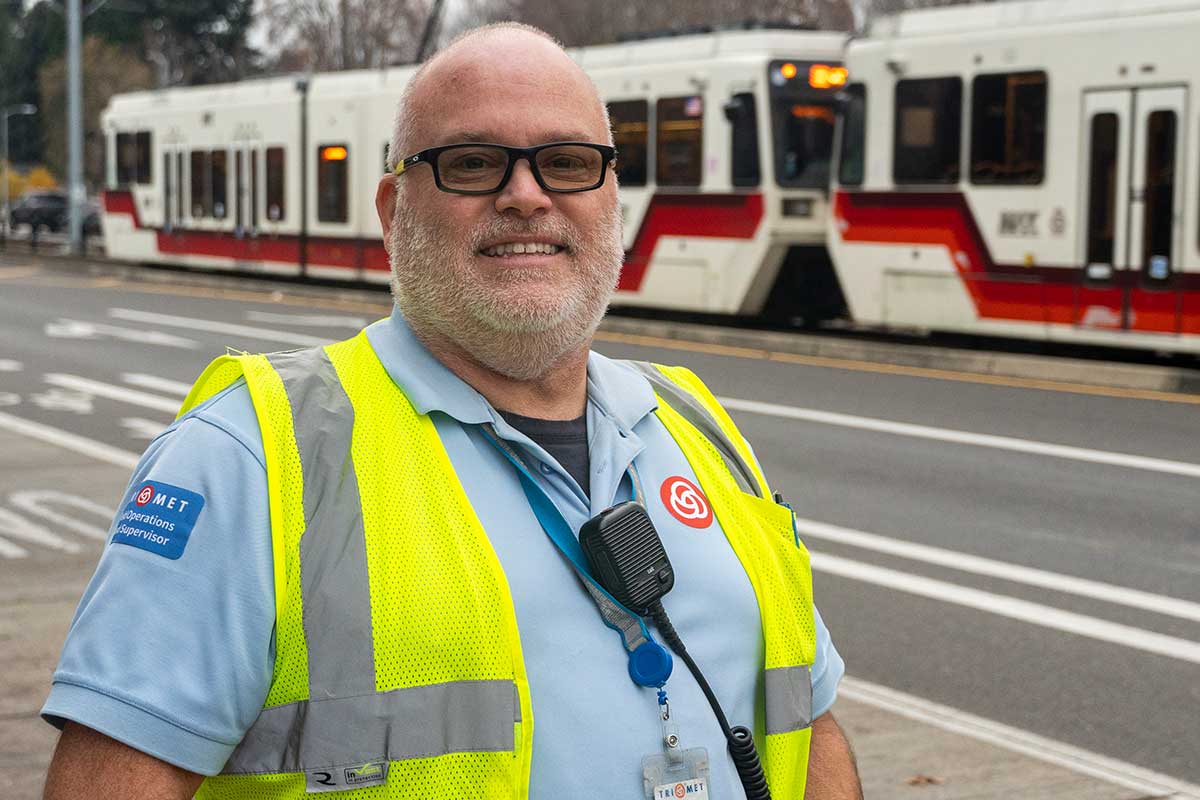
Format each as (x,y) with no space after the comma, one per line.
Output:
(480,168)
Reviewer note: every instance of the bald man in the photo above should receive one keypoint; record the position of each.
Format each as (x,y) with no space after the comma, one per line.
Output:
(355,569)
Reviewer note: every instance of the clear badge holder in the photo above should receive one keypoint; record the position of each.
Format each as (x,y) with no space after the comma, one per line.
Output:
(675,772)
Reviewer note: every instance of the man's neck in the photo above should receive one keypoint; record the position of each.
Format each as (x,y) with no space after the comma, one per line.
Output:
(561,393)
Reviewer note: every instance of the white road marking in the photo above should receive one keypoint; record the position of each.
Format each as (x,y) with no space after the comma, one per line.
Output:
(8,365)
(1108,592)
(1011,607)
(38,502)
(140,428)
(8,399)
(14,526)
(58,399)
(212,326)
(309,320)
(69,441)
(164,385)
(1051,751)
(113,392)
(1183,468)
(76,329)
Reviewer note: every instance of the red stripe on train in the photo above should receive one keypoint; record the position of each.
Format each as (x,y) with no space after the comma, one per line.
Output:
(727,216)
(1053,295)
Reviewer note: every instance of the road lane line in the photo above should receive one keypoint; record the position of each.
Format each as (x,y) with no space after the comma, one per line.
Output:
(1098,590)
(113,392)
(1051,751)
(308,320)
(69,441)
(1014,608)
(1183,468)
(212,326)
(156,383)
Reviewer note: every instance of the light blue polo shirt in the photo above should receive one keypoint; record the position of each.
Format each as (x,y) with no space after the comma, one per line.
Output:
(174,656)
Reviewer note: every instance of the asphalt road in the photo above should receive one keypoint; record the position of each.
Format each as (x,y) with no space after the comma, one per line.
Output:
(1028,556)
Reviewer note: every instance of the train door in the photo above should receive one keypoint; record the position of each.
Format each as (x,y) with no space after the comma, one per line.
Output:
(1133,158)
(245,197)
(168,199)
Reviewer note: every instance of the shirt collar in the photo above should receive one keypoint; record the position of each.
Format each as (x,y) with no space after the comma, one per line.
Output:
(619,391)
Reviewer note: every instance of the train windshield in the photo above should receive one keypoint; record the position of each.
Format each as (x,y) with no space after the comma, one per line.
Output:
(803,111)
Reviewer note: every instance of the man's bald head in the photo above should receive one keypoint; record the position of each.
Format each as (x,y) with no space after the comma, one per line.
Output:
(471,56)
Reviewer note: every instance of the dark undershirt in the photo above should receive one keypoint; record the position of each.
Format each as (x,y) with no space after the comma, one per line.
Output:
(564,439)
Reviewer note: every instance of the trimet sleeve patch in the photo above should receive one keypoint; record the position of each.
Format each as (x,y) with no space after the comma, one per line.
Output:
(159,518)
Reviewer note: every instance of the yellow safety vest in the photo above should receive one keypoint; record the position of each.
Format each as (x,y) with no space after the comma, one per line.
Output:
(398,668)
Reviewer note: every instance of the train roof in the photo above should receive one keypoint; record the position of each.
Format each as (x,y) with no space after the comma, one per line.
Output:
(770,43)
(697,47)
(1025,13)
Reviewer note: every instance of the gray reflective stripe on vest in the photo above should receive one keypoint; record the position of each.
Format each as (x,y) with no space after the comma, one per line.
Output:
(690,409)
(416,722)
(788,699)
(333,550)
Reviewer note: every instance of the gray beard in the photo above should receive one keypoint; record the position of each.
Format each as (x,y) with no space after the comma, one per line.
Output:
(444,301)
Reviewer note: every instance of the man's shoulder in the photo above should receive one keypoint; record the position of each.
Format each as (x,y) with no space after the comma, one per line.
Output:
(228,414)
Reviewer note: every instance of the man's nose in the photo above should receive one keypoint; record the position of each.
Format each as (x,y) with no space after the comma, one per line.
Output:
(522,193)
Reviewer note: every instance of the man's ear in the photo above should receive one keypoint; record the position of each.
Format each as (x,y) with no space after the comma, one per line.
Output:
(385,205)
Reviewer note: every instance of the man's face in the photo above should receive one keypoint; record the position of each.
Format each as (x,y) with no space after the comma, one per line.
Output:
(453,256)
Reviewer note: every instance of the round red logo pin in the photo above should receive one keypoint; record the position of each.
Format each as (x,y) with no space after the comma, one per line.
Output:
(144,495)
(680,791)
(686,502)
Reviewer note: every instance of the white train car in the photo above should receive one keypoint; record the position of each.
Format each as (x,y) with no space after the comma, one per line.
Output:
(1025,169)
(724,143)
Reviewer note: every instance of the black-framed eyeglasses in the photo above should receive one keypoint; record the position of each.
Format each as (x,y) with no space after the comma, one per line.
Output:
(485,168)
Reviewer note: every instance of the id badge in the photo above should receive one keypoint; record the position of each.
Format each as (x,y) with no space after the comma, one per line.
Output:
(675,775)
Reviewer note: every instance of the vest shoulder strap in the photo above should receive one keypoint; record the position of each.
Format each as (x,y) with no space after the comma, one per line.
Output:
(691,408)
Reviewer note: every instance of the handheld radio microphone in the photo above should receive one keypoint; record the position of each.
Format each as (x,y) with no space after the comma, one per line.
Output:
(627,557)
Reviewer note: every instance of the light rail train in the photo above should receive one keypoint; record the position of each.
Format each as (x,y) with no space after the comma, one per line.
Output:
(1025,169)
(724,142)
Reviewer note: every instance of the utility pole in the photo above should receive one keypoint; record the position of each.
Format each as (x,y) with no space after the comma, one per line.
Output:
(77,193)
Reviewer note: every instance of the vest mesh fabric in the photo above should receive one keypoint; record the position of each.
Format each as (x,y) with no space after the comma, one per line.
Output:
(441,609)
(761,534)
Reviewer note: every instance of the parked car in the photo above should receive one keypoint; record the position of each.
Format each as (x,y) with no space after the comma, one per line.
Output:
(48,209)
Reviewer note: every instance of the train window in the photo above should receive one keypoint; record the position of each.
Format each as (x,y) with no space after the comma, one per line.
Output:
(803,141)
(743,156)
(332,179)
(1008,128)
(854,136)
(630,121)
(1102,189)
(680,140)
(1159,208)
(201,184)
(219,163)
(144,160)
(276,207)
(927,144)
(126,159)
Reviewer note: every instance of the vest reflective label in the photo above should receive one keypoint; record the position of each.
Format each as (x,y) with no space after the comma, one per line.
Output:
(337,779)
(686,502)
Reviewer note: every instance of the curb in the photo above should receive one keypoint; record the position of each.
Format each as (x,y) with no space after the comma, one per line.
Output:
(1058,369)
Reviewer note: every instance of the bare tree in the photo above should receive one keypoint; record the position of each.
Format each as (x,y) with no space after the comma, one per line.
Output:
(107,70)
(323,35)
(581,22)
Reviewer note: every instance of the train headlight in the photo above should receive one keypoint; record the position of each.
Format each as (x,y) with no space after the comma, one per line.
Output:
(797,207)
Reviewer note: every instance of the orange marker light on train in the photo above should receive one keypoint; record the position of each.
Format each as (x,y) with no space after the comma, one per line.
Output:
(838,76)
(788,70)
(818,76)
(333,153)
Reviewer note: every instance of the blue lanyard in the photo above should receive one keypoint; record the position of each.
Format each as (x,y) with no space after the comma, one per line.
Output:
(649,662)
